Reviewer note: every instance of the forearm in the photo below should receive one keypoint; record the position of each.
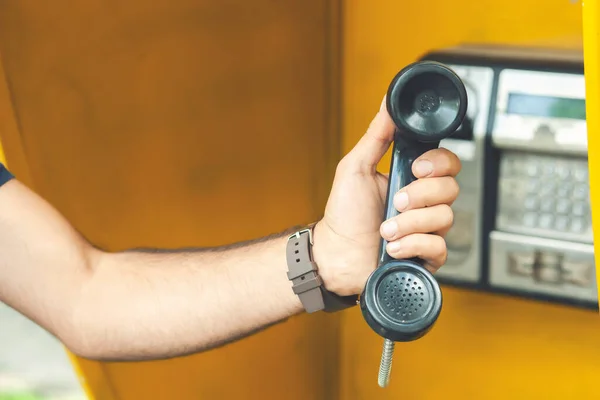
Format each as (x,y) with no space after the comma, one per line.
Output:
(136,304)
(142,305)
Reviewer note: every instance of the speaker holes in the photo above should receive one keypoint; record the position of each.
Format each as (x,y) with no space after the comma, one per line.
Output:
(402,297)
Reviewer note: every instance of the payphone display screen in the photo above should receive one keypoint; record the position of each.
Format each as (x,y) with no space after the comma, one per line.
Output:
(546,106)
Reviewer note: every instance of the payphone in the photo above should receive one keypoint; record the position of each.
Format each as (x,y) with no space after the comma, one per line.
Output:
(523,219)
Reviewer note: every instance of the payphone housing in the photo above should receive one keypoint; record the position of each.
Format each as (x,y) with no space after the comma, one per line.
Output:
(523,219)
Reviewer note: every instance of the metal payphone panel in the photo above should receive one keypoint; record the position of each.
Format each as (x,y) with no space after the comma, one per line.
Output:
(541,111)
(543,266)
(523,218)
(464,239)
(543,239)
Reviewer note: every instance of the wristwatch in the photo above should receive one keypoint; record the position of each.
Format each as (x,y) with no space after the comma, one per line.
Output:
(304,275)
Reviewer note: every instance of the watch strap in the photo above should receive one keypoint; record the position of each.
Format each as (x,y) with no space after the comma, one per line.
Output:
(306,282)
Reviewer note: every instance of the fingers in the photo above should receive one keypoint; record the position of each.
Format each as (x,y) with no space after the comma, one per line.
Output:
(435,163)
(373,145)
(426,215)
(436,219)
(426,193)
(430,248)
(419,233)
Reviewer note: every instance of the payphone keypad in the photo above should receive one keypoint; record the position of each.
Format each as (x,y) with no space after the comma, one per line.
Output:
(545,195)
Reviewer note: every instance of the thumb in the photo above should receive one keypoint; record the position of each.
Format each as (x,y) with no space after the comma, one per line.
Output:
(373,145)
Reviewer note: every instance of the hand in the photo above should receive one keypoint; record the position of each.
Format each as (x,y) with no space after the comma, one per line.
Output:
(346,240)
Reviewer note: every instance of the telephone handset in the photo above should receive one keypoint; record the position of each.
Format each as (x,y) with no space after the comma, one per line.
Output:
(402,300)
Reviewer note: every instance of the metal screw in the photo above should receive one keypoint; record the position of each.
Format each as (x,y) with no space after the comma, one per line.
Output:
(385,367)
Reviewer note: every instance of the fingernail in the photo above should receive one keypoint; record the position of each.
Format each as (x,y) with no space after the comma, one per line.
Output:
(401,201)
(389,229)
(393,247)
(423,168)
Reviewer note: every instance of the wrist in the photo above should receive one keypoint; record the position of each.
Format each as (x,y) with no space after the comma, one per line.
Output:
(303,257)
(324,256)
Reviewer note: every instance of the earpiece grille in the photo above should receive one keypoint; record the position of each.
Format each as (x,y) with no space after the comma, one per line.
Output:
(404,297)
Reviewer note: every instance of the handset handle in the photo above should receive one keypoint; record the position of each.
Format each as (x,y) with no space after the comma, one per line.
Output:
(404,152)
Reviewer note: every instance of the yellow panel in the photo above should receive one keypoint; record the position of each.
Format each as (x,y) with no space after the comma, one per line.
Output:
(188,123)
(380,37)
(484,346)
(591,38)
(93,381)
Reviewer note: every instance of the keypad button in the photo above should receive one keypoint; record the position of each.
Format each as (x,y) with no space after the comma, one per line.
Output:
(577,225)
(580,192)
(530,220)
(547,188)
(549,169)
(561,223)
(562,171)
(580,209)
(563,190)
(547,205)
(534,186)
(545,221)
(562,206)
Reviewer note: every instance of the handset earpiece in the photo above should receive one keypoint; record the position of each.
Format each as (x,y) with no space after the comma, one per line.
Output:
(402,300)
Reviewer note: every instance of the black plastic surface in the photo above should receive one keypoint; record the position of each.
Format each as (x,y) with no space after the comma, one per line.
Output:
(427,102)
(402,301)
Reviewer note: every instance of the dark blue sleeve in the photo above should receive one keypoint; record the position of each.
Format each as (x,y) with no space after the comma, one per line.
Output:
(5,176)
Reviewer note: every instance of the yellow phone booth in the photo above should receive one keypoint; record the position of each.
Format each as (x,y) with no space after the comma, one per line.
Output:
(123,115)
(489,342)
(591,40)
